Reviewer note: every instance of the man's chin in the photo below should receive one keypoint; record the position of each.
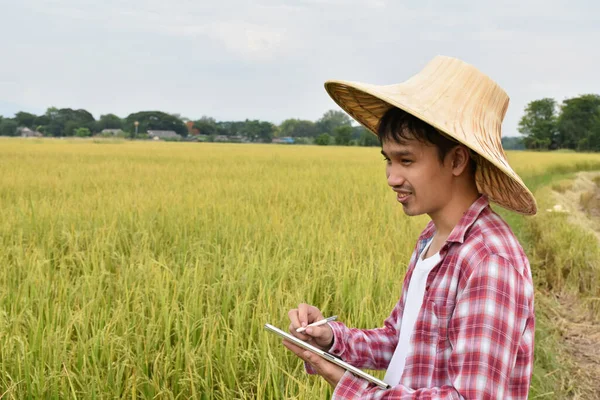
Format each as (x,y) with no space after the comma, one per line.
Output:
(411,211)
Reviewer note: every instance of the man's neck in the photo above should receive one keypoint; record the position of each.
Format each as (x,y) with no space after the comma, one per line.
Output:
(445,220)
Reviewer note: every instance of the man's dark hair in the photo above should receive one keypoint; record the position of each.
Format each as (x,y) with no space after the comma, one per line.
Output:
(398,126)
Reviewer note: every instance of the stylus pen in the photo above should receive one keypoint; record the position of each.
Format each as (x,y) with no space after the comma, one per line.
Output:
(321,322)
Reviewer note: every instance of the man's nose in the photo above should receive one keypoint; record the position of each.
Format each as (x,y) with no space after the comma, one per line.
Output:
(394,178)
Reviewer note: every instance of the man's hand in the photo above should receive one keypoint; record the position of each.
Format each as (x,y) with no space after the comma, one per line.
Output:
(320,336)
(331,372)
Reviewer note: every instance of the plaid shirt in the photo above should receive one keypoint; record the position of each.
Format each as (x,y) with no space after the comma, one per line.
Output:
(473,338)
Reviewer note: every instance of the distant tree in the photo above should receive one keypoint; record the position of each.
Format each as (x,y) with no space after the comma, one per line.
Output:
(52,113)
(343,135)
(8,127)
(52,125)
(531,142)
(25,119)
(368,139)
(332,119)
(576,124)
(230,128)
(109,121)
(251,130)
(305,128)
(82,132)
(84,117)
(297,128)
(323,139)
(154,120)
(358,131)
(206,126)
(267,131)
(258,130)
(41,121)
(70,127)
(61,122)
(595,131)
(288,127)
(512,143)
(539,123)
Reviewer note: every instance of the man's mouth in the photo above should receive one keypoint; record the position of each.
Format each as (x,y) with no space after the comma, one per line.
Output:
(402,196)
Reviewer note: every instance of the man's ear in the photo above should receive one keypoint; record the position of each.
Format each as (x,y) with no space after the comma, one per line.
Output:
(460,159)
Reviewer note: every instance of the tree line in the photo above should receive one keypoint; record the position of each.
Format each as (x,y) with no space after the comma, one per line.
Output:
(334,127)
(545,125)
(574,124)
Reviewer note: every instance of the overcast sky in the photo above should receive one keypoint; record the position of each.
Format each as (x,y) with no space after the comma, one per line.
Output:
(268,59)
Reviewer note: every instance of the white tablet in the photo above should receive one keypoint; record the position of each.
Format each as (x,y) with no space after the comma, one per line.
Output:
(327,356)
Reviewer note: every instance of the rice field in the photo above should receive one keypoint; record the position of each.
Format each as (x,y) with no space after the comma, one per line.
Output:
(147,270)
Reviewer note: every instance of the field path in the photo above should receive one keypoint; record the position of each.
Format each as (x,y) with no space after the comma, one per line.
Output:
(579,327)
(581,333)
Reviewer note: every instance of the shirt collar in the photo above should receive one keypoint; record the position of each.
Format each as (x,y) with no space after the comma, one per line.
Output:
(460,230)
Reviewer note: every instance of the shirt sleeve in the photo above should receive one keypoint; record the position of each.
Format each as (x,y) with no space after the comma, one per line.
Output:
(365,348)
(485,330)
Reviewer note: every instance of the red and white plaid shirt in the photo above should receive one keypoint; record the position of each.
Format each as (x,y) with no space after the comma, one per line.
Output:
(473,338)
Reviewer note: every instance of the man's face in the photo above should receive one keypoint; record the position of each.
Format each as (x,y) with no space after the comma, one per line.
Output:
(414,172)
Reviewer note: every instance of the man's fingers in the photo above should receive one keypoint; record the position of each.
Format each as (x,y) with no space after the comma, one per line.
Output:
(304,354)
(314,314)
(303,314)
(299,351)
(331,372)
(313,359)
(295,324)
(299,335)
(293,315)
(317,331)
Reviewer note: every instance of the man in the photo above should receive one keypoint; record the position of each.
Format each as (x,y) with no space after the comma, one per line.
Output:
(464,325)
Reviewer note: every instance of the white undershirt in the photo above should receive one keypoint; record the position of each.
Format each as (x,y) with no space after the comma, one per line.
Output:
(412,306)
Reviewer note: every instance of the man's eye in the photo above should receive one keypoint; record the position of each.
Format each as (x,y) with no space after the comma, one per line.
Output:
(406,162)
(386,159)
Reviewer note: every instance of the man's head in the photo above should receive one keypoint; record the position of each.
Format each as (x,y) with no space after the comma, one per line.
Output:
(460,101)
(426,168)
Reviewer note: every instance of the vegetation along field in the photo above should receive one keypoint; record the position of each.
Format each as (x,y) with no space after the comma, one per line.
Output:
(147,270)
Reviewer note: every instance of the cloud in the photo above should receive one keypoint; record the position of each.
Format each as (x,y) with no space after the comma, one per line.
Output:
(245,39)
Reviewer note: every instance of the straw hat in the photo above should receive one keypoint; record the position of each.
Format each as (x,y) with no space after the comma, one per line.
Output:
(458,100)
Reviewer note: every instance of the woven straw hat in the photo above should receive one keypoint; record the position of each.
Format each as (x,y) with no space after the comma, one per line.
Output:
(458,100)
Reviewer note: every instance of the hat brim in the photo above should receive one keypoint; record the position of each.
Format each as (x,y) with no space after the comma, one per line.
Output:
(494,177)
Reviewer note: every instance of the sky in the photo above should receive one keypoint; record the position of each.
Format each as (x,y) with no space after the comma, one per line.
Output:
(268,59)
